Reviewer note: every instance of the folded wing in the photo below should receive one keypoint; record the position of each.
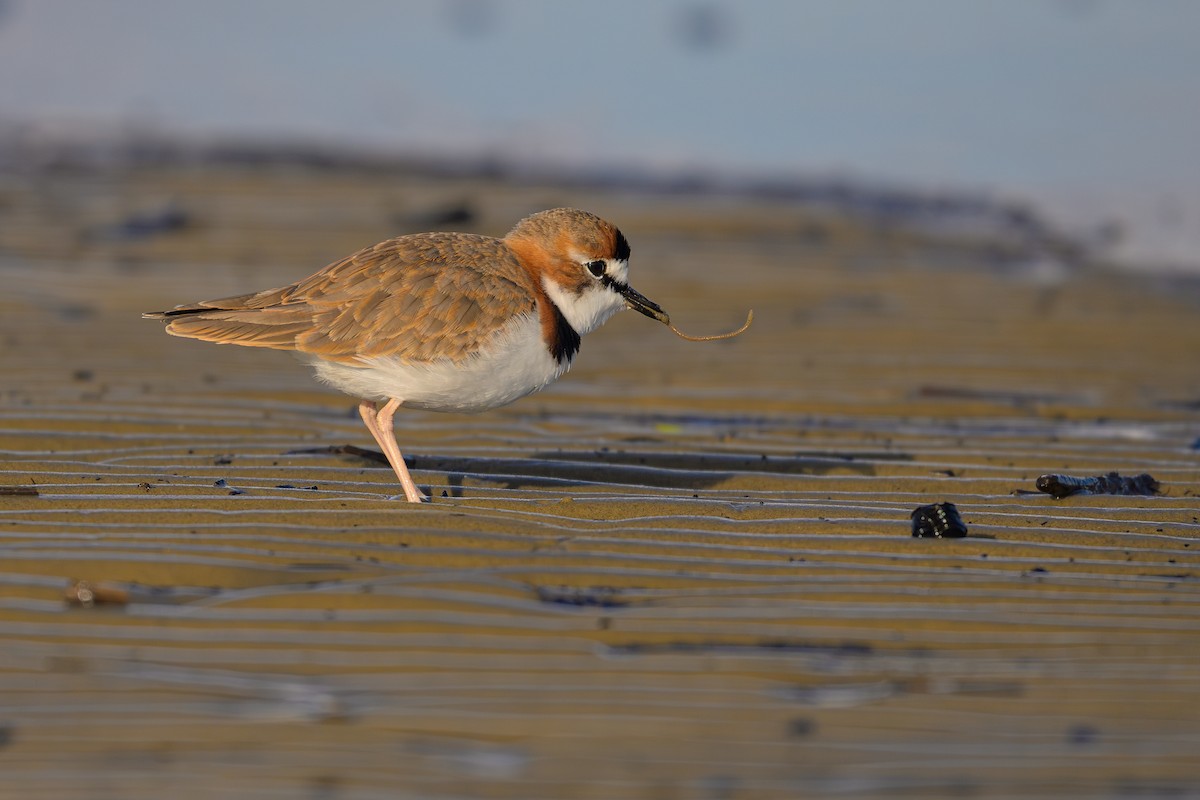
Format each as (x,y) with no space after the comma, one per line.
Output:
(417,298)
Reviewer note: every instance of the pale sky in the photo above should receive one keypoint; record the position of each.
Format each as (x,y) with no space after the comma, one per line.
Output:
(1082,102)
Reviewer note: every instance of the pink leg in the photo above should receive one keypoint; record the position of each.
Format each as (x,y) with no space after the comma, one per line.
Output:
(379,423)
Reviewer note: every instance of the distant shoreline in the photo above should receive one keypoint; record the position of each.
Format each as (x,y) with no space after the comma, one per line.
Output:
(1020,227)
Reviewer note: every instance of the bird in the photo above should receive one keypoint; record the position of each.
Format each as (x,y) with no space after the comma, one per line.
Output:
(441,321)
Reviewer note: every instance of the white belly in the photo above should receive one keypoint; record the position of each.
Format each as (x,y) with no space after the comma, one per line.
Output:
(516,364)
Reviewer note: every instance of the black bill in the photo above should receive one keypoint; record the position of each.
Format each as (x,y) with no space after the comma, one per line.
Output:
(638,302)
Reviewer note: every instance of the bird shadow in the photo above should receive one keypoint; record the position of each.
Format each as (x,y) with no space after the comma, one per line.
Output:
(663,470)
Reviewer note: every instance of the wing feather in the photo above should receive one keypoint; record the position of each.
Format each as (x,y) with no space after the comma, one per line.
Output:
(419,298)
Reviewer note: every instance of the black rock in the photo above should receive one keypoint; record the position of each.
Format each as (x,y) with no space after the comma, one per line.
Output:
(938,521)
(1060,486)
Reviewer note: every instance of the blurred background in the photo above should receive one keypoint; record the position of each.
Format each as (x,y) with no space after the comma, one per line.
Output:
(969,232)
(1084,110)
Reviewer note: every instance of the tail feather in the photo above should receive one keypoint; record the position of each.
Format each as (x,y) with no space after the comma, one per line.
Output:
(262,319)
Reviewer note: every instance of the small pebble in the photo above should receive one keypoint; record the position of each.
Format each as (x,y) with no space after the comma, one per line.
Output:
(938,521)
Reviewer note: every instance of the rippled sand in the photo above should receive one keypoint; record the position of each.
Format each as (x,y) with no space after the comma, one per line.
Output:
(684,571)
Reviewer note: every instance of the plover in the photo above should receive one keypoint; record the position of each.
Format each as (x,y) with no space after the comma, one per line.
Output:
(439,321)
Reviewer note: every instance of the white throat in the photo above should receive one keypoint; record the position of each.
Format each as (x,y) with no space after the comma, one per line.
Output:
(587,310)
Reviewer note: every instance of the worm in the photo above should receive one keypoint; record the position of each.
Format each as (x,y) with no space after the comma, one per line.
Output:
(714,337)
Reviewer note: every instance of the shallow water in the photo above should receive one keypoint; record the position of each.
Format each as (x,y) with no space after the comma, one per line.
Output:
(684,571)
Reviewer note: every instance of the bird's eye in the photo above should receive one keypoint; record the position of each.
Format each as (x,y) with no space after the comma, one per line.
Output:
(596,268)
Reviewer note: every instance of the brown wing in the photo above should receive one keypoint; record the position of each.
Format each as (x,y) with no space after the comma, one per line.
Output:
(420,297)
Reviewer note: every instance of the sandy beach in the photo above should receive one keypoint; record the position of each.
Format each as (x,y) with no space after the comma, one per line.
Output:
(684,571)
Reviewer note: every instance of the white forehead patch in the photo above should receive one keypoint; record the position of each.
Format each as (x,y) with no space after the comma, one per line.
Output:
(618,269)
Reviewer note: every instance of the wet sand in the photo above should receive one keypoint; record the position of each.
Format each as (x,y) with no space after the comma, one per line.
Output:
(685,570)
